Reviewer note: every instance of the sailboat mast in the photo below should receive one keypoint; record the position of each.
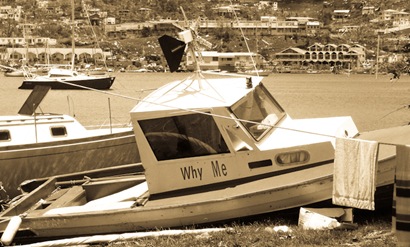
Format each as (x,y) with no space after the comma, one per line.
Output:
(25,60)
(72,36)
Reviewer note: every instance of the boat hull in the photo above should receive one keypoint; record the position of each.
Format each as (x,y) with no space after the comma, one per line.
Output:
(263,73)
(102,83)
(23,162)
(14,74)
(257,197)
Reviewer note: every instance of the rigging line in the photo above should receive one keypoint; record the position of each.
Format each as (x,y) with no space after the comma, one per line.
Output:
(92,29)
(400,108)
(100,91)
(244,38)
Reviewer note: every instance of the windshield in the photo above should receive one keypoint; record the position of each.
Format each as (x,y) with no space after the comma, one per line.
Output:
(183,136)
(258,110)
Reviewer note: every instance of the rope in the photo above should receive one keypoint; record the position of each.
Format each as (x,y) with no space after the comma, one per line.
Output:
(92,29)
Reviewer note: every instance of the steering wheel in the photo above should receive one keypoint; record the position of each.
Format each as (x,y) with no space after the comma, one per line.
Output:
(184,142)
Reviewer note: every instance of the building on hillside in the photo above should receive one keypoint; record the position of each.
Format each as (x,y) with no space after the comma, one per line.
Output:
(300,19)
(401,18)
(228,11)
(322,57)
(368,10)
(397,18)
(145,12)
(42,4)
(346,29)
(110,21)
(9,12)
(226,61)
(267,26)
(312,27)
(269,18)
(30,41)
(387,15)
(53,55)
(340,14)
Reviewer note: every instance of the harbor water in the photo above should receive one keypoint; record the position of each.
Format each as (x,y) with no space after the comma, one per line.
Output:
(373,102)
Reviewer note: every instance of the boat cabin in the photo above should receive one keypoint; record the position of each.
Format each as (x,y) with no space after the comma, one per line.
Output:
(29,127)
(200,134)
(20,129)
(61,73)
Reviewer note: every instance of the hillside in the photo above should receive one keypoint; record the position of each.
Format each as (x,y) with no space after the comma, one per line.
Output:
(51,24)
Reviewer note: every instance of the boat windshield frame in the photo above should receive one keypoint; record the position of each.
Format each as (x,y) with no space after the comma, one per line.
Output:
(183,136)
(258,112)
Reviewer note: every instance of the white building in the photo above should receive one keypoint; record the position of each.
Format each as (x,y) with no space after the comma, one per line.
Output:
(20,41)
(228,61)
(53,55)
(8,12)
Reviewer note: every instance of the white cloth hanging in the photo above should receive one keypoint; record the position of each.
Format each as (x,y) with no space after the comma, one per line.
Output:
(354,177)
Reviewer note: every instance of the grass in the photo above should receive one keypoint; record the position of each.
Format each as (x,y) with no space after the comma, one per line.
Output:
(374,229)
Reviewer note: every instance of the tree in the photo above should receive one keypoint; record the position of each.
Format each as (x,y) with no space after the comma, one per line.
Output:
(406,48)
(169,6)
(146,32)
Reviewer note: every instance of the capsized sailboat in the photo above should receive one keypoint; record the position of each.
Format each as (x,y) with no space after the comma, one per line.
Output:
(212,149)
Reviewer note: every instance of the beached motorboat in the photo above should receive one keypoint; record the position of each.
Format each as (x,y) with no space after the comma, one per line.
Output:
(36,145)
(212,149)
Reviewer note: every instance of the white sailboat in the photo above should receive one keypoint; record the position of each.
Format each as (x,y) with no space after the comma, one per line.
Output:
(39,144)
(58,78)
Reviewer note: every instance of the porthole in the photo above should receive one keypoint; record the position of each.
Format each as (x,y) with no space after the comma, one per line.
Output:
(291,158)
(5,135)
(59,131)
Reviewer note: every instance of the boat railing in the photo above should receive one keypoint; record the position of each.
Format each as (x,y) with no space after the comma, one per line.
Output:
(40,116)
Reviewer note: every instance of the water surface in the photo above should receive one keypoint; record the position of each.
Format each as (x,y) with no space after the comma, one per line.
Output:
(363,97)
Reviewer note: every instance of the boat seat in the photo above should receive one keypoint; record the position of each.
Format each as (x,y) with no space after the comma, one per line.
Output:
(98,189)
(128,198)
(130,194)
(73,196)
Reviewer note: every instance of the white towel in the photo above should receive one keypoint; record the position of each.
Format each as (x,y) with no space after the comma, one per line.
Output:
(354,177)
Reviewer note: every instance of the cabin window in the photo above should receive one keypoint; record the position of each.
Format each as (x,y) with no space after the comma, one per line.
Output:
(5,135)
(292,158)
(258,111)
(59,131)
(183,136)
(58,75)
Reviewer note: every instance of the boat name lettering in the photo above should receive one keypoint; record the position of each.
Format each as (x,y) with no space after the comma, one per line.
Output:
(218,170)
(191,173)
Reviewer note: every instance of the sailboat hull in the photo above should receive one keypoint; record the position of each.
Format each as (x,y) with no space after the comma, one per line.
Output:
(23,162)
(102,83)
(16,73)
